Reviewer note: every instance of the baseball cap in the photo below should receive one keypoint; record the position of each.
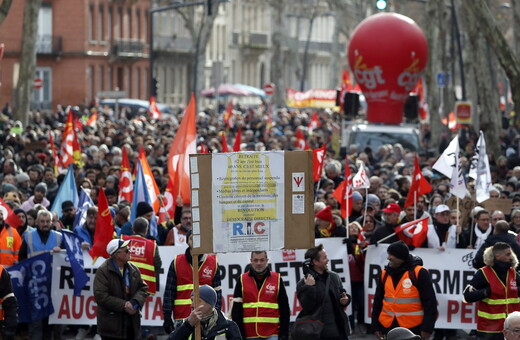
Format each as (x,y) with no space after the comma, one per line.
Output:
(116,244)
(392,208)
(441,208)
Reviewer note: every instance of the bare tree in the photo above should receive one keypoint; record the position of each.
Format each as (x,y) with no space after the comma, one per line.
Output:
(277,59)
(5,5)
(494,37)
(27,61)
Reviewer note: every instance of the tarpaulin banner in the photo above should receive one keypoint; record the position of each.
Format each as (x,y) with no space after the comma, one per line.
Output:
(70,309)
(318,98)
(451,271)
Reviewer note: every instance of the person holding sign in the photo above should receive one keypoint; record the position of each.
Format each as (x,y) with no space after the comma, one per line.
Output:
(212,321)
(179,285)
(404,295)
(495,287)
(321,290)
(260,304)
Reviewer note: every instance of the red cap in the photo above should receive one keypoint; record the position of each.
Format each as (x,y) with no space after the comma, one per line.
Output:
(325,214)
(392,208)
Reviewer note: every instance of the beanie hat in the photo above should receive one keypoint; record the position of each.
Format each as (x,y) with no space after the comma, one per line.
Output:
(65,205)
(143,208)
(41,187)
(207,294)
(112,192)
(325,214)
(399,249)
(401,333)
(356,196)
(22,177)
(8,187)
(373,199)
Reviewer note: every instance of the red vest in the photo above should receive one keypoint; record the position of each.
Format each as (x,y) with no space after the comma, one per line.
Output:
(184,271)
(493,310)
(142,253)
(261,313)
(402,302)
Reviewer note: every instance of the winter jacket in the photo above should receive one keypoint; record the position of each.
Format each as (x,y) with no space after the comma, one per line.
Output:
(223,327)
(110,296)
(312,298)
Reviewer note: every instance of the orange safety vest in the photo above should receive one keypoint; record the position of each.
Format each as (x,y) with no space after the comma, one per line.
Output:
(184,271)
(10,243)
(261,313)
(493,310)
(402,303)
(142,253)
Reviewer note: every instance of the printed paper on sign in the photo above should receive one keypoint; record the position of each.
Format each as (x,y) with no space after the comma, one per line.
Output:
(195,214)
(194,181)
(298,181)
(298,204)
(194,165)
(194,198)
(195,227)
(248,201)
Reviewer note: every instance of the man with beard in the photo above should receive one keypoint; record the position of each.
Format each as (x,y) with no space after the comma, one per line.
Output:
(177,235)
(495,286)
(442,234)
(252,293)
(391,220)
(68,214)
(404,295)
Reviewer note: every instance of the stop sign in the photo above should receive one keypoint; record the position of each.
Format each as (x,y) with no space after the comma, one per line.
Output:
(269,89)
(38,83)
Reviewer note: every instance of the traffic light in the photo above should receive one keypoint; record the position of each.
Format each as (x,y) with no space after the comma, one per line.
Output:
(381,4)
(155,87)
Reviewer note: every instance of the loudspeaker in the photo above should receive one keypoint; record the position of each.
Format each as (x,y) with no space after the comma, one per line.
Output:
(351,104)
(411,107)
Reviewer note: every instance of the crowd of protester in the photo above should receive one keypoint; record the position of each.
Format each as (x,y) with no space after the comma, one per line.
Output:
(28,181)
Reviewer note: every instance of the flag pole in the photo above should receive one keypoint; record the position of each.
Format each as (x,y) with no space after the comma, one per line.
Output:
(415,205)
(386,238)
(196,297)
(458,221)
(317,189)
(366,206)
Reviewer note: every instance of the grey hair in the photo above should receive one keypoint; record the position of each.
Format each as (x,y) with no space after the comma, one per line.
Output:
(512,315)
(44,212)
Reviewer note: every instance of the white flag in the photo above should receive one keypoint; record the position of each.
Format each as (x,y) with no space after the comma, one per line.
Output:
(480,170)
(446,161)
(361,180)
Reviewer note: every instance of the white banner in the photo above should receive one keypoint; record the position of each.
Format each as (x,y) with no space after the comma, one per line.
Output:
(69,309)
(450,270)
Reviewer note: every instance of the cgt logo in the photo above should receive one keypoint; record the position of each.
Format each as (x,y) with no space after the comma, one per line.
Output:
(239,229)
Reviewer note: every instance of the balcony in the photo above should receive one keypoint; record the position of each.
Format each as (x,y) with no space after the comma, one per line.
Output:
(48,45)
(173,44)
(256,40)
(127,49)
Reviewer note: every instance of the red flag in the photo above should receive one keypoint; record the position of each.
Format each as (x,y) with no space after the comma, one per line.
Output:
(238,140)
(228,114)
(203,148)
(168,206)
(318,156)
(315,121)
(343,192)
(92,119)
(151,185)
(423,105)
(8,215)
(183,145)
(70,151)
(153,110)
(301,142)
(419,186)
(414,232)
(77,123)
(126,186)
(104,228)
(55,157)
(225,147)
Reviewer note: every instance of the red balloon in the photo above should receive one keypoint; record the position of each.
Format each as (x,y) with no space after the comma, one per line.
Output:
(387,53)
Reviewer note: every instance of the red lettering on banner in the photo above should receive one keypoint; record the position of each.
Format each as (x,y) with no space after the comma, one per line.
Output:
(468,309)
(453,308)
(296,307)
(457,309)
(370,304)
(156,304)
(79,307)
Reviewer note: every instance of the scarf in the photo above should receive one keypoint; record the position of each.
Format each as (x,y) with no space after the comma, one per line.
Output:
(481,236)
(327,232)
(208,322)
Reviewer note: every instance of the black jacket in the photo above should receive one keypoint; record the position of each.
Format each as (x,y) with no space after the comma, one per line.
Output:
(478,261)
(480,285)
(223,326)
(423,283)
(312,297)
(383,231)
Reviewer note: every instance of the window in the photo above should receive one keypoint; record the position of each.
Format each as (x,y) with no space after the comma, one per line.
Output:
(138,19)
(42,98)
(101,24)
(110,29)
(129,23)
(90,22)
(44,40)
